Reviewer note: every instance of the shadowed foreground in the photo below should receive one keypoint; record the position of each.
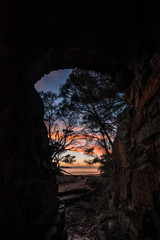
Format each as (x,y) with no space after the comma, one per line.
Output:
(85,200)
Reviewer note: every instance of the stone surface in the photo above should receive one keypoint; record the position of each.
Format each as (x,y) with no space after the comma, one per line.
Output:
(137,177)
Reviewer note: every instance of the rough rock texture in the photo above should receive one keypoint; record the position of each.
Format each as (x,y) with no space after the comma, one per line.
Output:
(137,154)
(39,36)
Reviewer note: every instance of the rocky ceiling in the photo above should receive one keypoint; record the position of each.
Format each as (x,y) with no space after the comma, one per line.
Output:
(47,35)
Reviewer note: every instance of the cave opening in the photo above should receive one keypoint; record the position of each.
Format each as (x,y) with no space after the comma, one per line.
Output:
(81,182)
(49,90)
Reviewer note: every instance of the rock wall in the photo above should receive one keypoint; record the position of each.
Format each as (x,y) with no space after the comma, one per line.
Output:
(29,208)
(137,153)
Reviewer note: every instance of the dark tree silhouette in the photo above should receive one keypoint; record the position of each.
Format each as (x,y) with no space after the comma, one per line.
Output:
(50,115)
(96,102)
(61,128)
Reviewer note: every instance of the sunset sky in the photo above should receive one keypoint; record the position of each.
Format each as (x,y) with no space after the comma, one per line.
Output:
(52,82)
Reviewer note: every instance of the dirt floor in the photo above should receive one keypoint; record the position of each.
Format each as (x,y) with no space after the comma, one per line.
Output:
(85,200)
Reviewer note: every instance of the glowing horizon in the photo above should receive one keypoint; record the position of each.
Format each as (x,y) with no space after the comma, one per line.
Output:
(52,82)
(79,160)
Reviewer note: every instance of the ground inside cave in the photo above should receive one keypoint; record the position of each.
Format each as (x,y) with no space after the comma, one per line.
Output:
(85,198)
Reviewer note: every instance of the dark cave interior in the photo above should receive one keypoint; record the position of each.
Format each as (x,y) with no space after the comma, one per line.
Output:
(119,39)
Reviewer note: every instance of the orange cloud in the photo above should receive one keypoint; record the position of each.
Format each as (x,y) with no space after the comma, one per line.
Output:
(79,143)
(98,150)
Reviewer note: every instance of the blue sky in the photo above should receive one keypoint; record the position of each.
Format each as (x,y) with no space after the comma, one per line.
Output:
(52,82)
